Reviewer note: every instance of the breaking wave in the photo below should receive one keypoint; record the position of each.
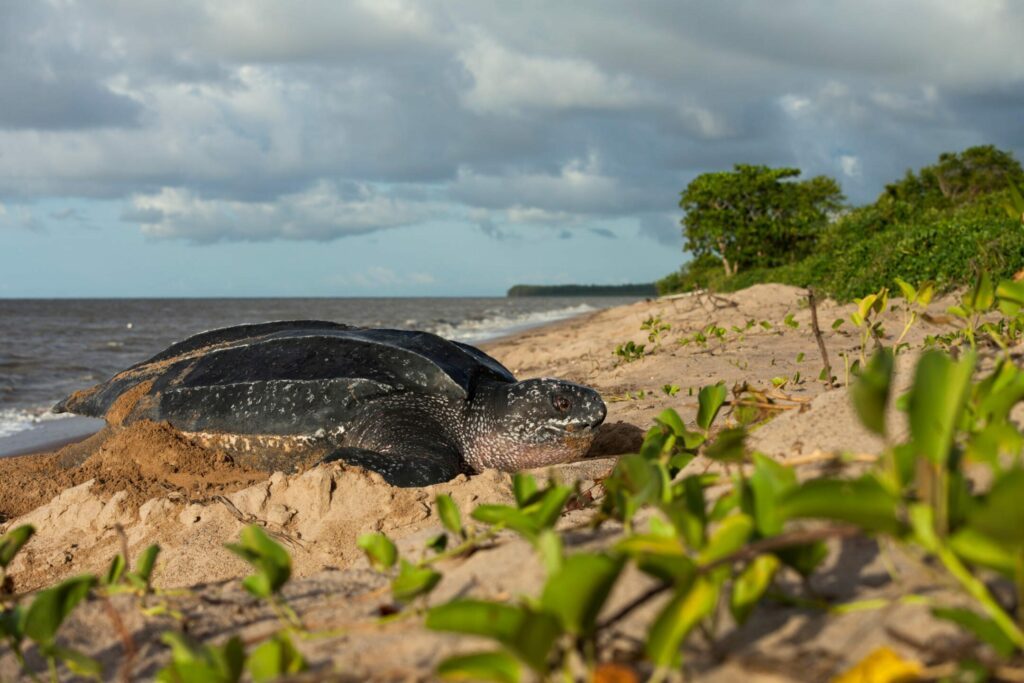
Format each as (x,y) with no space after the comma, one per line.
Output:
(498,325)
(14,420)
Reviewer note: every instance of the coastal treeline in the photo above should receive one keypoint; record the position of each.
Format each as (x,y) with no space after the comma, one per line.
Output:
(943,222)
(644,289)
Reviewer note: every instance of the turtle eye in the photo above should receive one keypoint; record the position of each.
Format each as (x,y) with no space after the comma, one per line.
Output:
(561,403)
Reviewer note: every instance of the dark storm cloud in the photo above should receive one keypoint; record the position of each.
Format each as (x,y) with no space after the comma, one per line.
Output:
(260,120)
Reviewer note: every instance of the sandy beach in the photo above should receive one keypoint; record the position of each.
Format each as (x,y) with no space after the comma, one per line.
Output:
(146,484)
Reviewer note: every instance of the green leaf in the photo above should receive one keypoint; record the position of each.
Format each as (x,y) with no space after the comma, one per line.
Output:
(51,607)
(937,402)
(549,508)
(413,581)
(380,550)
(804,558)
(728,446)
(958,311)
(998,393)
(438,543)
(909,293)
(922,521)
(507,516)
(1010,295)
(549,547)
(493,620)
(637,545)
(498,666)
(768,483)
(727,538)
(634,474)
(790,322)
(837,323)
(750,586)
(978,549)
(275,658)
(528,634)
(670,419)
(983,293)
(271,561)
(115,570)
(679,571)
(863,502)
(864,306)
(77,663)
(12,624)
(258,585)
(685,610)
(13,541)
(710,400)
(1001,515)
(144,565)
(195,663)
(524,486)
(983,628)
(688,511)
(925,292)
(576,593)
(448,511)
(870,391)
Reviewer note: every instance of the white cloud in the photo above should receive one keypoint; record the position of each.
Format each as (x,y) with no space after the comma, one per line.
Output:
(506,82)
(704,122)
(579,187)
(850,165)
(554,115)
(319,213)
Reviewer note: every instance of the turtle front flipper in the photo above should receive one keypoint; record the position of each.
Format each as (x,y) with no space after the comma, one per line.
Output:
(402,469)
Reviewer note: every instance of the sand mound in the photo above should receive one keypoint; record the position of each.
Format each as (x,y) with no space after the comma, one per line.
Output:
(149,459)
(319,514)
(144,460)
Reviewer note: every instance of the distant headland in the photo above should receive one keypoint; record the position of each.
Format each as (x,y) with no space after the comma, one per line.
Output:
(645,289)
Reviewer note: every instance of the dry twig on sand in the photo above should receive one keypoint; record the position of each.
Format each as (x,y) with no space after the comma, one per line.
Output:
(813,304)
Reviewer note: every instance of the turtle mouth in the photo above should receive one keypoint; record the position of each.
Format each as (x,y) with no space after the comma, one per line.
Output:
(572,429)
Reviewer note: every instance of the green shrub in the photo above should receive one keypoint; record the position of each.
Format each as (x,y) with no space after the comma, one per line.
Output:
(864,252)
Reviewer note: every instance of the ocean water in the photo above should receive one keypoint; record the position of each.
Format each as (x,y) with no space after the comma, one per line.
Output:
(50,348)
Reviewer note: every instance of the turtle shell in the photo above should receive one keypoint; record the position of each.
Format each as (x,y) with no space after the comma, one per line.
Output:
(287,378)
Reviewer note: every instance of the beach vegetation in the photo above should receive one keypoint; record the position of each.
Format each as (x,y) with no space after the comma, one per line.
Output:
(756,216)
(656,328)
(630,351)
(715,543)
(944,223)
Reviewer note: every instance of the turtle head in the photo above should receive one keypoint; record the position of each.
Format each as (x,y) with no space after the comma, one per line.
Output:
(533,423)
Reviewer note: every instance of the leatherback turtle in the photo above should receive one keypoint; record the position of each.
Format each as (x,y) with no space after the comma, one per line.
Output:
(415,407)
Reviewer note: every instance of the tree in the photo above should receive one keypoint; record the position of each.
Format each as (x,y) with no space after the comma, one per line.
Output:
(957,178)
(755,216)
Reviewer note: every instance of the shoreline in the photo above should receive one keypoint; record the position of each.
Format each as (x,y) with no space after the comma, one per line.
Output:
(49,435)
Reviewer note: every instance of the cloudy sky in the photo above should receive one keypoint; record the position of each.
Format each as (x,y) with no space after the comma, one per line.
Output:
(394,147)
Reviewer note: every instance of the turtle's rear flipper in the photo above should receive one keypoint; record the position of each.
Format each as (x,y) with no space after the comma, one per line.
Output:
(401,469)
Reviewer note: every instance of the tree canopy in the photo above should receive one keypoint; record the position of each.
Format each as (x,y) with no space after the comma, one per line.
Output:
(756,216)
(957,178)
